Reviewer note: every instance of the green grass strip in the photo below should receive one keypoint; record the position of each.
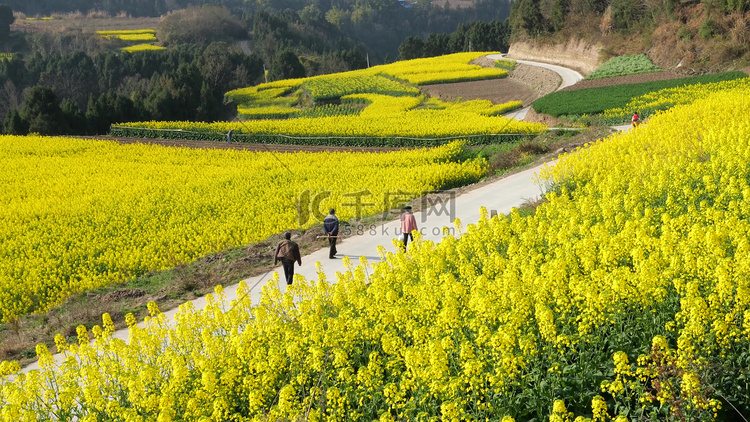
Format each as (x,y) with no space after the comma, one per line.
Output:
(121,131)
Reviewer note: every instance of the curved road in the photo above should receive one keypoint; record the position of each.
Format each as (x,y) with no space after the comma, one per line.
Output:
(500,195)
(569,77)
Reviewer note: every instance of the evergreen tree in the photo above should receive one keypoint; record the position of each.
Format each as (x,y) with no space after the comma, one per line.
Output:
(286,65)
(559,11)
(437,45)
(14,123)
(411,48)
(6,18)
(42,112)
(73,116)
(532,20)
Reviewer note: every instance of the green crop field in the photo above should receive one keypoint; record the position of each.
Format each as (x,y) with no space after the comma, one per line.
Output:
(597,100)
(624,65)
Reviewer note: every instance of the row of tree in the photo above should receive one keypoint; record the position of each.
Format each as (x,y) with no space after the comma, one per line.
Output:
(80,94)
(473,36)
(536,18)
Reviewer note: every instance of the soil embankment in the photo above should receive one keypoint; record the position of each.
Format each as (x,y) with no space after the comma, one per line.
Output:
(577,55)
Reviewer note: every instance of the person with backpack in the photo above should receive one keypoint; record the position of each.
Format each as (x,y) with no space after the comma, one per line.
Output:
(287,251)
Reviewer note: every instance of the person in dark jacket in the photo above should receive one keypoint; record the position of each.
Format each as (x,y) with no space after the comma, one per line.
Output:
(331,229)
(288,252)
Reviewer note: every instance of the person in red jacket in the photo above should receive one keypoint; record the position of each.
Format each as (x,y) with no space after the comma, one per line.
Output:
(408,224)
(636,119)
(288,252)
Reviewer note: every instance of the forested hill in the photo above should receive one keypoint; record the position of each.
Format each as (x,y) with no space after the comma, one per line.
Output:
(380,24)
(696,35)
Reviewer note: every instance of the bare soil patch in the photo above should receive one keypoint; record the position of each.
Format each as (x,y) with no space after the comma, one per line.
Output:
(534,117)
(540,80)
(623,80)
(525,83)
(496,90)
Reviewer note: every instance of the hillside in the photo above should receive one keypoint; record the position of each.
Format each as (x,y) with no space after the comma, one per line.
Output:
(689,37)
(622,298)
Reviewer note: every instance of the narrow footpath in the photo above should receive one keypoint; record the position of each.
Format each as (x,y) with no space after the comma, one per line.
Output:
(500,196)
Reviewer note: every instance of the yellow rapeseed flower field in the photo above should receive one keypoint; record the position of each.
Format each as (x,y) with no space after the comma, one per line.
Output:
(664,99)
(143,47)
(383,117)
(80,214)
(130,34)
(625,297)
(393,108)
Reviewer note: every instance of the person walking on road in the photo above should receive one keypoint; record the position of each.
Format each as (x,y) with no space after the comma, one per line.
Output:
(636,119)
(408,224)
(331,229)
(287,251)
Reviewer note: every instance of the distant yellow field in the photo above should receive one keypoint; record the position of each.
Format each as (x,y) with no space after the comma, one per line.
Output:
(130,35)
(143,47)
(378,106)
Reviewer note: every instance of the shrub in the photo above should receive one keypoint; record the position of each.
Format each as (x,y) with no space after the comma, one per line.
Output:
(624,65)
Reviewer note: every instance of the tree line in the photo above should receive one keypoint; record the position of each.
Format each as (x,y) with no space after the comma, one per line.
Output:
(76,93)
(472,36)
(535,18)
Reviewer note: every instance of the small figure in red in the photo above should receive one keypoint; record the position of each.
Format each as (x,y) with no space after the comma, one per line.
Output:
(636,119)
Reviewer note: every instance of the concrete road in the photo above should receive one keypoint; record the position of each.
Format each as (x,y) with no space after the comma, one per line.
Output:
(569,76)
(500,195)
